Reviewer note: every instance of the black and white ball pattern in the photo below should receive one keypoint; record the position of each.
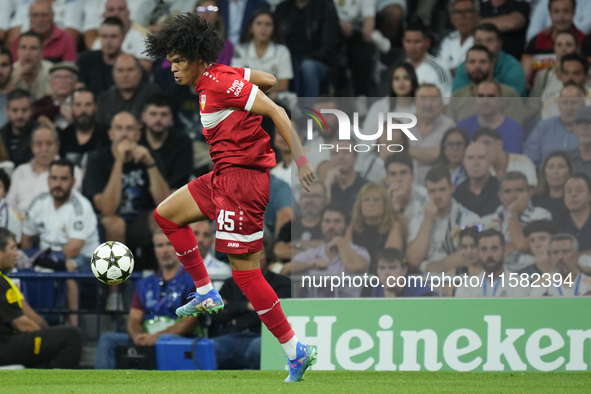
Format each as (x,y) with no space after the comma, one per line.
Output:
(112,263)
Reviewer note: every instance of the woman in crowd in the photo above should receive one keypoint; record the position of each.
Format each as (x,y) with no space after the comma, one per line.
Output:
(556,169)
(209,10)
(453,146)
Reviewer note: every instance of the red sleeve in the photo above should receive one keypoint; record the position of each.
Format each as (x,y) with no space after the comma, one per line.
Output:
(136,303)
(70,54)
(236,92)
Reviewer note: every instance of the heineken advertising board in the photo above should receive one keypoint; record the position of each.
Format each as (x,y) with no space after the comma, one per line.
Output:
(439,334)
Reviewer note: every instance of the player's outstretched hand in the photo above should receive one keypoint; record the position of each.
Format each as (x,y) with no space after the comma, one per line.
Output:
(306,175)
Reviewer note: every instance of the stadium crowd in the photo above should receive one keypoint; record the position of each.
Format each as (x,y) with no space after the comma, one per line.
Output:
(94,135)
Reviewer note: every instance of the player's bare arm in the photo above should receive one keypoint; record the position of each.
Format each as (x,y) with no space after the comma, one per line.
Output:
(263,80)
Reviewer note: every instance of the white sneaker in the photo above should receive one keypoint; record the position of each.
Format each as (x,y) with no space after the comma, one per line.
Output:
(381,42)
(114,302)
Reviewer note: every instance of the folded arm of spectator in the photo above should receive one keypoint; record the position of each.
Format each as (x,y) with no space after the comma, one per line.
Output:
(505,23)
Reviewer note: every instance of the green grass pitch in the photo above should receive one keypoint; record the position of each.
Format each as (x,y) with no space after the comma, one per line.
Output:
(234,382)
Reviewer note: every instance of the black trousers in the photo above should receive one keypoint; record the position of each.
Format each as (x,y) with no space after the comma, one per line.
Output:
(55,347)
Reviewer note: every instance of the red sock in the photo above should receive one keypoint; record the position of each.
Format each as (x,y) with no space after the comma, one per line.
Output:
(265,301)
(184,243)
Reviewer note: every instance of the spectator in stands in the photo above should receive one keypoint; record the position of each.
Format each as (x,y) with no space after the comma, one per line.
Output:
(236,18)
(374,223)
(516,211)
(129,92)
(547,82)
(220,271)
(555,171)
(539,53)
(489,103)
(540,18)
(278,211)
(8,216)
(407,197)
(84,135)
(236,330)
(465,259)
(172,146)
(16,134)
(210,11)
(430,233)
(262,48)
(479,67)
(417,42)
(501,161)
(577,219)
(564,250)
(506,69)
(538,234)
(311,30)
(30,179)
(58,46)
(391,266)
(125,183)
(431,125)
(451,154)
(335,256)
(152,311)
(31,71)
(96,67)
(557,132)
(23,329)
(511,18)
(455,46)
(491,251)
(575,69)
(581,156)
(479,192)
(342,182)
(6,85)
(57,106)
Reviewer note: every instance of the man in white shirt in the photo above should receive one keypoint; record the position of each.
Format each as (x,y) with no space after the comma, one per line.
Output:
(453,48)
(217,269)
(407,197)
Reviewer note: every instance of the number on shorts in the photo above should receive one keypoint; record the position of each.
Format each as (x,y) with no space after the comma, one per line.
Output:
(225,221)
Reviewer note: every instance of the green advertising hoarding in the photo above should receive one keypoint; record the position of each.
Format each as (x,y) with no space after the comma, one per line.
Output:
(423,334)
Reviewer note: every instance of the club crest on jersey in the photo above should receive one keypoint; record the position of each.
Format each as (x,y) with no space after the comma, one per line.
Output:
(202,102)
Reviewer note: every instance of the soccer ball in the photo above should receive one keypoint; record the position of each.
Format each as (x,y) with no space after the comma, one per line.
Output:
(112,263)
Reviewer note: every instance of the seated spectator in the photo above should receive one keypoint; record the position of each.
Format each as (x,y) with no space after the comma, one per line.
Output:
(278,211)
(303,232)
(172,146)
(219,270)
(22,328)
(129,92)
(96,67)
(417,42)
(8,216)
(511,18)
(312,40)
(539,53)
(391,265)
(501,161)
(430,233)
(516,211)
(454,47)
(506,69)
(538,234)
(236,19)
(84,135)
(540,18)
(563,257)
(581,156)
(58,45)
(31,71)
(555,171)
(210,11)
(335,256)
(262,48)
(408,197)
(577,219)
(31,179)
(451,154)
(63,220)
(431,125)
(374,223)
(57,106)
(125,184)
(152,311)
(479,67)
(491,252)
(342,182)
(489,105)
(16,134)
(236,330)
(479,192)
(6,86)
(557,132)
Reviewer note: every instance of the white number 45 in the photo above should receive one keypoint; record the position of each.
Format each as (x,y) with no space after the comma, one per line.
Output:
(225,221)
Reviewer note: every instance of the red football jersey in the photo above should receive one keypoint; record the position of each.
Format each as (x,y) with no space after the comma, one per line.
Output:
(234,135)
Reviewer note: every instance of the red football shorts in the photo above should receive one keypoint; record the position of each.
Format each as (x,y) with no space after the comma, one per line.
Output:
(236,198)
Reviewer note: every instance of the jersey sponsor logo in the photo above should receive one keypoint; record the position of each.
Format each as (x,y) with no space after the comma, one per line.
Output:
(203,101)
(233,244)
(236,87)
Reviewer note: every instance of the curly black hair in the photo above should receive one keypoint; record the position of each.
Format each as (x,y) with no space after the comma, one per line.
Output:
(187,35)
